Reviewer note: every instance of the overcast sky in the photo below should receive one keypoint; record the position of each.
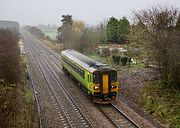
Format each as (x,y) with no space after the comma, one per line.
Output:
(34,12)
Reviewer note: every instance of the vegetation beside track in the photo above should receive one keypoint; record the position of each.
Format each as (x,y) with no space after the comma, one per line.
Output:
(155,99)
(153,38)
(164,106)
(52,44)
(16,99)
(162,103)
(17,103)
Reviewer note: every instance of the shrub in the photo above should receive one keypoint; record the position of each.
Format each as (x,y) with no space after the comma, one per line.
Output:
(9,56)
(105,52)
(124,60)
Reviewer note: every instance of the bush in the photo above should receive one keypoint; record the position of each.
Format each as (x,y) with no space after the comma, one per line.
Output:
(116,59)
(124,60)
(121,60)
(159,31)
(9,56)
(115,51)
(105,52)
(9,106)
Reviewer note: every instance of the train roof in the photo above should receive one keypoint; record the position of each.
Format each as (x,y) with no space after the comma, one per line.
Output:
(84,61)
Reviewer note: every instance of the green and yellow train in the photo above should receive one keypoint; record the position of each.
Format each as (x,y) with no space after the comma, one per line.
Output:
(99,80)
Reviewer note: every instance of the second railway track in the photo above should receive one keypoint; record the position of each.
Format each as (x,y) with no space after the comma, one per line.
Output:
(69,112)
(118,119)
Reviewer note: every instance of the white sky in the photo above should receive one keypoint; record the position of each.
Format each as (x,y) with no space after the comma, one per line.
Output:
(34,12)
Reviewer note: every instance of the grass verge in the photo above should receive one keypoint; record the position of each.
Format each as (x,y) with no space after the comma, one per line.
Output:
(17,109)
(55,46)
(162,103)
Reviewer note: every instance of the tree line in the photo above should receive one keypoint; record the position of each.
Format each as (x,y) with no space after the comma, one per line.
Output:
(9,56)
(9,77)
(15,109)
(157,33)
(114,31)
(152,37)
(35,31)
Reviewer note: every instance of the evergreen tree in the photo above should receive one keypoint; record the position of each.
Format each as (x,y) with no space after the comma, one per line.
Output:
(123,29)
(66,29)
(67,21)
(112,30)
(117,31)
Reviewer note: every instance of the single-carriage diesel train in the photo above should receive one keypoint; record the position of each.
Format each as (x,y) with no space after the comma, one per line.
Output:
(99,80)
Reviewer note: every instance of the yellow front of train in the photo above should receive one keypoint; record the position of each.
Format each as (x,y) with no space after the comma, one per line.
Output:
(105,85)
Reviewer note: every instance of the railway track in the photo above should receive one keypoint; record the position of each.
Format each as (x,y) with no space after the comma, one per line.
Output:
(34,92)
(120,120)
(78,119)
(62,111)
(126,121)
(36,98)
(117,117)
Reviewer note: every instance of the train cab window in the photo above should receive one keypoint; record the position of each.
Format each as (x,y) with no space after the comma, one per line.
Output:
(96,78)
(113,76)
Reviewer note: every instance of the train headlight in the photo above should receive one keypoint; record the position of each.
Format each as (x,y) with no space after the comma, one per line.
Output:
(113,86)
(96,87)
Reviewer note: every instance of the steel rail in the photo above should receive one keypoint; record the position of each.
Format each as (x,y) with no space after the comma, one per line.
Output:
(114,123)
(36,98)
(128,118)
(66,93)
(34,92)
(53,92)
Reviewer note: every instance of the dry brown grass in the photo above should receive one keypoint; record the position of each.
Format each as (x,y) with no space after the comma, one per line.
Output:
(55,46)
(16,109)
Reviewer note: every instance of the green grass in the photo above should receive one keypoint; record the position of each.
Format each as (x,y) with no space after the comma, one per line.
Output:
(29,95)
(162,103)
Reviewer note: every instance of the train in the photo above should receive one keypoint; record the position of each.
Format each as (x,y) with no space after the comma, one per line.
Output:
(97,79)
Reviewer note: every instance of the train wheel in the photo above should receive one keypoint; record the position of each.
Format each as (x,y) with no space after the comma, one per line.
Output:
(72,77)
(82,87)
(92,99)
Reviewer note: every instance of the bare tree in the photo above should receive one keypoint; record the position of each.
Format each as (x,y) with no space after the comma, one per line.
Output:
(158,31)
(9,56)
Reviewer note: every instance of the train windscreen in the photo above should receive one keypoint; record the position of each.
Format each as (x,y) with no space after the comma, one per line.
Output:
(113,76)
(96,77)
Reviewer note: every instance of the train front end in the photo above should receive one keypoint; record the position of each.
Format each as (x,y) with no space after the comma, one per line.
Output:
(105,85)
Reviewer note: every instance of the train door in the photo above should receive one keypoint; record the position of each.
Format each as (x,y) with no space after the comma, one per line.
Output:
(105,87)
(89,83)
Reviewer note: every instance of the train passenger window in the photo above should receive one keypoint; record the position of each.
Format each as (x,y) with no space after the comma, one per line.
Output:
(113,76)
(83,74)
(90,79)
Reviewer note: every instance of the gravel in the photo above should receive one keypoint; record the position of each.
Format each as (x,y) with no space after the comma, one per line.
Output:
(131,86)
(130,90)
